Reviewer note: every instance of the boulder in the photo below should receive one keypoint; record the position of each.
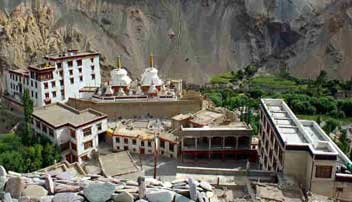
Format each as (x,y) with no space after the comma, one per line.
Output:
(192,189)
(2,183)
(67,197)
(7,197)
(99,192)
(65,176)
(15,186)
(167,185)
(160,196)
(35,191)
(205,185)
(122,197)
(60,188)
(3,172)
(180,198)
(46,199)
(49,184)
(24,199)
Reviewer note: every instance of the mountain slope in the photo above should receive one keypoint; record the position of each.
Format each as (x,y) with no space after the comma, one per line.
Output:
(192,39)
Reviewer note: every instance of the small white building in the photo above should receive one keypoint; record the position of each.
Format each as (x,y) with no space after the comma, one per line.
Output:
(76,132)
(62,77)
(140,137)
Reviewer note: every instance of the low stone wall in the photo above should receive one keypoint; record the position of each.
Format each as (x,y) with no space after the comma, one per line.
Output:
(116,110)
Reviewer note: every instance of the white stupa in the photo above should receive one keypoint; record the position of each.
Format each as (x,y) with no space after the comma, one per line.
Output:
(119,76)
(150,75)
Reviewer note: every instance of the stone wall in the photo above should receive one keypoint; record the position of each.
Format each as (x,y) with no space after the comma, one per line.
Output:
(116,110)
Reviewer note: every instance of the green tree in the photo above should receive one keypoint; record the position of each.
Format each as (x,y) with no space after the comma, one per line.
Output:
(331,125)
(27,106)
(343,142)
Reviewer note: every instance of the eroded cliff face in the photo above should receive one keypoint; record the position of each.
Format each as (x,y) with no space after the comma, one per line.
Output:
(192,39)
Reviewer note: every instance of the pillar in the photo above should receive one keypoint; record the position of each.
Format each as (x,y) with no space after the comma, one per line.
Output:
(182,149)
(223,148)
(196,144)
(236,143)
(209,151)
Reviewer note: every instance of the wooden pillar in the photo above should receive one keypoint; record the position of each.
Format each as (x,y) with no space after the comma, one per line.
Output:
(196,143)
(209,150)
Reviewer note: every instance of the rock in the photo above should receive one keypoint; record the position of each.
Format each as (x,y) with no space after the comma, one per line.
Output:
(3,172)
(46,199)
(15,186)
(122,197)
(179,181)
(60,188)
(35,191)
(167,185)
(192,189)
(99,192)
(64,176)
(131,183)
(24,199)
(2,183)
(49,184)
(184,192)
(160,196)
(67,197)
(200,197)
(180,198)
(205,185)
(210,194)
(203,197)
(7,197)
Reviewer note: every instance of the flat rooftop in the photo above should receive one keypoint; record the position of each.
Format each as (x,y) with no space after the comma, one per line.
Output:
(144,129)
(58,115)
(70,54)
(297,132)
(205,117)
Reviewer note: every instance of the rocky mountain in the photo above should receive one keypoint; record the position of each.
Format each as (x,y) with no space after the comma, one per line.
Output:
(192,39)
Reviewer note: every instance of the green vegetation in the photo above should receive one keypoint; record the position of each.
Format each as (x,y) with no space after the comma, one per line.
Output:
(222,78)
(310,99)
(22,151)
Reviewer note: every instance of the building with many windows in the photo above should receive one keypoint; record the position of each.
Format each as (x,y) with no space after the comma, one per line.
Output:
(301,149)
(213,133)
(60,78)
(76,132)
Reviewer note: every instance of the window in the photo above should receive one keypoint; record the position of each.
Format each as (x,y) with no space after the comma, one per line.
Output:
(46,95)
(72,80)
(92,60)
(323,171)
(88,145)
(92,67)
(62,93)
(45,129)
(134,141)
(73,134)
(149,144)
(53,84)
(51,132)
(117,139)
(93,76)
(36,95)
(61,82)
(79,62)
(45,85)
(61,73)
(70,63)
(32,94)
(31,83)
(71,72)
(87,132)
(38,124)
(126,141)
(80,70)
(73,146)
(162,143)
(99,126)
(59,65)
(171,147)
(80,78)
(36,85)
(54,93)
(142,143)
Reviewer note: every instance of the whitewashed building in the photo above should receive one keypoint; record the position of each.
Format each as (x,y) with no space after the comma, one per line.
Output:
(76,132)
(61,77)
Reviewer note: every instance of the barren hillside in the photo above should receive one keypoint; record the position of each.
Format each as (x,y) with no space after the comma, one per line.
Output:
(192,39)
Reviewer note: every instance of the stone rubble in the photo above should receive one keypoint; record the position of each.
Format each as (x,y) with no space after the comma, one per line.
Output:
(64,186)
